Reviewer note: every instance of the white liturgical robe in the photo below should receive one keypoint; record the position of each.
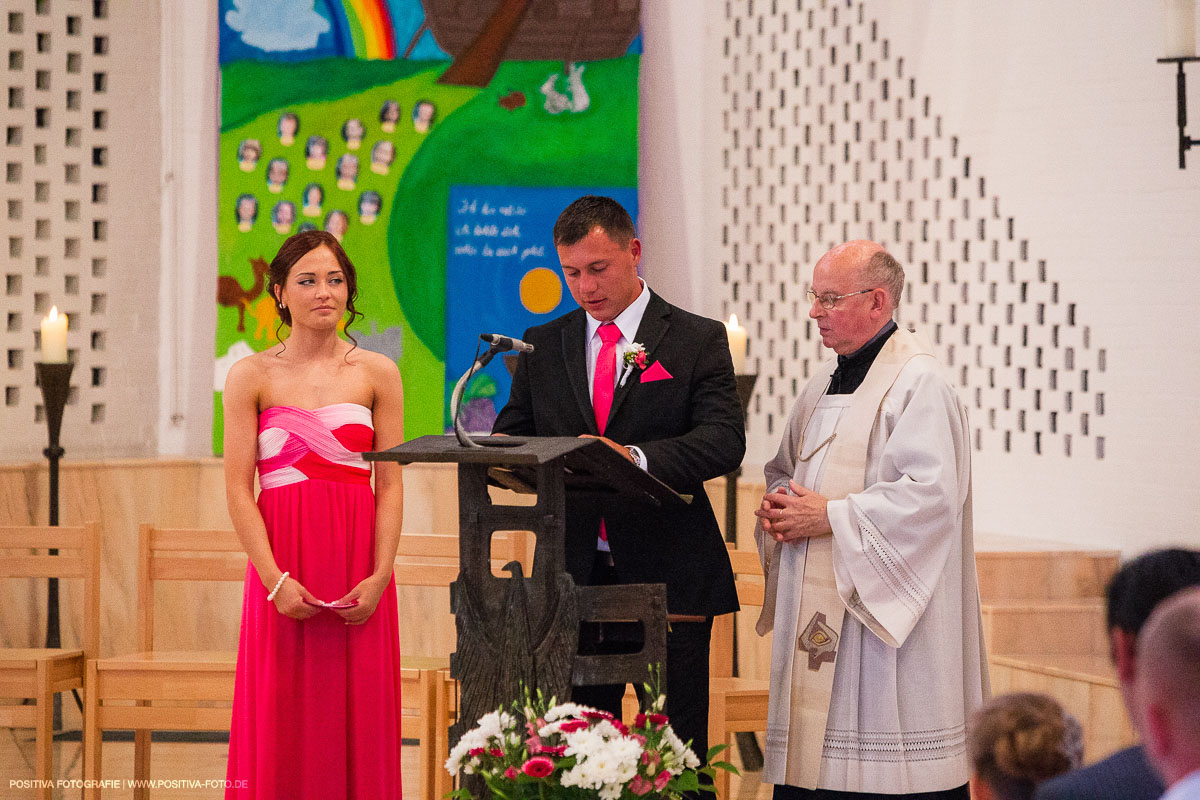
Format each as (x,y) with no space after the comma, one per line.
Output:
(910,665)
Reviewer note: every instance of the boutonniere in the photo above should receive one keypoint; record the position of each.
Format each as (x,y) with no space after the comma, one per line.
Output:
(635,356)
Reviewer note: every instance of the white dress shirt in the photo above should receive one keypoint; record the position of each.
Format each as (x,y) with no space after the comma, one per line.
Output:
(627,322)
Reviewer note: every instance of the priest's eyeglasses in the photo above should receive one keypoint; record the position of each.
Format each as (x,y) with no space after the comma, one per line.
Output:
(828,300)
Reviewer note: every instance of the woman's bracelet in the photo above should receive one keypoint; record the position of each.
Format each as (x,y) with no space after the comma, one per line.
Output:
(275,591)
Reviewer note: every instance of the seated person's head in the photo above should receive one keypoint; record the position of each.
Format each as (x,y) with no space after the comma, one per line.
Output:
(1016,741)
(1168,686)
(1137,588)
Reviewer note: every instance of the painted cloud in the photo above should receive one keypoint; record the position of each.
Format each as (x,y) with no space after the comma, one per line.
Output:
(277,25)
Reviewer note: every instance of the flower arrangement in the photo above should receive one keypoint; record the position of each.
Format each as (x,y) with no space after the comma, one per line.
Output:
(545,749)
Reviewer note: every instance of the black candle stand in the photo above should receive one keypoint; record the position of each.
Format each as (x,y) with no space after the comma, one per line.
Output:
(55,382)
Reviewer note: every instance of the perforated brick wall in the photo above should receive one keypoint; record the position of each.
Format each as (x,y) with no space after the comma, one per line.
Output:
(64,243)
(826,136)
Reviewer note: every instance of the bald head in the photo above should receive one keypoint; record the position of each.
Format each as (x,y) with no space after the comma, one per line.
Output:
(867,263)
(1168,685)
(862,285)
(851,254)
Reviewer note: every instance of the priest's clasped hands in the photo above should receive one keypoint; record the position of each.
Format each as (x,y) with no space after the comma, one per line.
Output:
(797,513)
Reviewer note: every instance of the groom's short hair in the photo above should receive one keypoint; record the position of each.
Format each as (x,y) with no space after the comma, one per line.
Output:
(590,211)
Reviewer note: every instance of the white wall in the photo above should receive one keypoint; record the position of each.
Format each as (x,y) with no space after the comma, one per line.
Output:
(1065,110)
(188,183)
(671,167)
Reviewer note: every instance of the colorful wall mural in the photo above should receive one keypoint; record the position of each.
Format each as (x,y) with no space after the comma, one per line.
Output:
(383,121)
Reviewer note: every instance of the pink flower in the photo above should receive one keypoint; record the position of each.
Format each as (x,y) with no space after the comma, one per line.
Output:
(497,752)
(557,750)
(599,715)
(572,725)
(661,780)
(533,744)
(511,773)
(621,727)
(640,360)
(640,720)
(658,719)
(640,785)
(638,738)
(538,767)
(476,751)
(650,758)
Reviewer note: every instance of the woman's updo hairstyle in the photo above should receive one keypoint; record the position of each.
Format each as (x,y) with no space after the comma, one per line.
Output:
(292,250)
(1018,740)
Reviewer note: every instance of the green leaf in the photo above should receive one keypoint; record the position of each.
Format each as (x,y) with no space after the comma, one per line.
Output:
(687,781)
(712,751)
(725,765)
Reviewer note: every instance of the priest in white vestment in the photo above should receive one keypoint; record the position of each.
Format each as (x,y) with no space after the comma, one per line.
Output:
(865,538)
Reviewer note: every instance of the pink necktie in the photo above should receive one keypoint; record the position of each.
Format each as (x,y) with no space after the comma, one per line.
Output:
(603,383)
(606,374)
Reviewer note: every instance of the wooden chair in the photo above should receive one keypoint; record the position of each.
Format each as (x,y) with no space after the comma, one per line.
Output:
(429,694)
(40,673)
(197,686)
(735,704)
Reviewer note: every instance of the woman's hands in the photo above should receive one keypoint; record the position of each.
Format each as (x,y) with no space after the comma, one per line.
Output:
(367,593)
(289,600)
(291,597)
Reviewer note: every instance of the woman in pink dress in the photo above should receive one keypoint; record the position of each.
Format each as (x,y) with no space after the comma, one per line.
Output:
(316,711)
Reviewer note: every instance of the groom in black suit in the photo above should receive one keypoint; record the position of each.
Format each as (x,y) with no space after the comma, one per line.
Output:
(666,379)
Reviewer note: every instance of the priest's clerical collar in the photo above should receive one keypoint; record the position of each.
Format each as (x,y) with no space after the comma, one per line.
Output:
(852,369)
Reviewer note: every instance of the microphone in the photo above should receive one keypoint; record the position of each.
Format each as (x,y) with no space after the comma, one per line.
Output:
(501,343)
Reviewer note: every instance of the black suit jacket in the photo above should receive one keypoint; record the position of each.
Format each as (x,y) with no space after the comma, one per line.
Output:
(690,428)
(1125,775)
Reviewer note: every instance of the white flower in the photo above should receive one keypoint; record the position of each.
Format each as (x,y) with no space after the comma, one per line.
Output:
(566,710)
(469,741)
(493,723)
(680,756)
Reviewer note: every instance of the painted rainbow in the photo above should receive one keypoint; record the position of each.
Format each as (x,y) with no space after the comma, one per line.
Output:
(364,27)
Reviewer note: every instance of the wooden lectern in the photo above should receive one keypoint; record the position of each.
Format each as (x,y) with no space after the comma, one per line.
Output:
(526,629)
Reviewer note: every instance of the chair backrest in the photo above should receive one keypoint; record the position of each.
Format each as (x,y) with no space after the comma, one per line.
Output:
(182,554)
(82,560)
(431,559)
(748,578)
(746,565)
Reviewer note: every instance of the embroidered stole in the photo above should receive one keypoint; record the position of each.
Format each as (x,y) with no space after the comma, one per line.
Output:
(797,742)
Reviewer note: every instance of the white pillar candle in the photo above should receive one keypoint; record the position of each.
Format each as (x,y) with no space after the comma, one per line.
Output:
(737,344)
(1179,17)
(54,337)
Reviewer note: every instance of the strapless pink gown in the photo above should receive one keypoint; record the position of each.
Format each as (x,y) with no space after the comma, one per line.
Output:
(316,709)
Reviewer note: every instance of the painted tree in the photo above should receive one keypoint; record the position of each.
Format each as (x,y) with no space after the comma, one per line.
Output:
(476,65)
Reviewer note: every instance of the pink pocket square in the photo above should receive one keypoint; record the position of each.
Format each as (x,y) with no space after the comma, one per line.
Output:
(655,372)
